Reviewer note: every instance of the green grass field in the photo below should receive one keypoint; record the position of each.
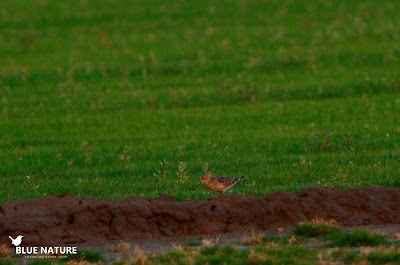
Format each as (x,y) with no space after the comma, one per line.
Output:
(95,94)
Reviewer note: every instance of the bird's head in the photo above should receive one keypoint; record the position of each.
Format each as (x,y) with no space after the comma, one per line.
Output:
(205,179)
(20,236)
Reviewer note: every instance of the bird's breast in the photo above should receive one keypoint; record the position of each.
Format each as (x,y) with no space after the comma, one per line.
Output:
(216,186)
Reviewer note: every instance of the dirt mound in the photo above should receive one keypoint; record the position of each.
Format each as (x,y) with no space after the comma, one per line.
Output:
(66,219)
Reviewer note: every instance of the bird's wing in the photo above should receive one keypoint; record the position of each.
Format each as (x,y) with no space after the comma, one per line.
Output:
(226,181)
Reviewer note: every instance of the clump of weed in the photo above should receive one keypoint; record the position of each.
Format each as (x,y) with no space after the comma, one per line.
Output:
(351,257)
(347,257)
(275,240)
(86,151)
(288,254)
(175,255)
(140,258)
(206,171)
(31,185)
(160,174)
(208,242)
(253,239)
(125,157)
(323,139)
(356,238)
(257,257)
(5,251)
(181,173)
(123,247)
(209,250)
(193,244)
(228,249)
(384,258)
(314,229)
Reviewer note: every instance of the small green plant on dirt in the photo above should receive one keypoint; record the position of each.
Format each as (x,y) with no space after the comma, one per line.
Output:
(181,173)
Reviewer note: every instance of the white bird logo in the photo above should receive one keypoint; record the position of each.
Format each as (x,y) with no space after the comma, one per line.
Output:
(16,242)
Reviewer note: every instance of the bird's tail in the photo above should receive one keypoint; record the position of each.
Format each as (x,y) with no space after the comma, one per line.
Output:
(12,239)
(242,177)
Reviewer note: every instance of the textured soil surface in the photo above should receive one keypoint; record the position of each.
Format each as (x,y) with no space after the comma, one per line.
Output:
(66,219)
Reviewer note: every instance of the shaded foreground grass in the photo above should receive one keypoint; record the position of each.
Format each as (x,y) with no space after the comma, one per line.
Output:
(334,245)
(95,94)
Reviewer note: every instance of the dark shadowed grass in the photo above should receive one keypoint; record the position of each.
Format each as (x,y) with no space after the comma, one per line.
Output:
(337,237)
(334,246)
(6,261)
(193,244)
(95,94)
(313,230)
(356,238)
(231,255)
(384,258)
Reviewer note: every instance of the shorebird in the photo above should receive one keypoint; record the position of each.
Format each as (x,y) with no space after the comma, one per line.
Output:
(219,183)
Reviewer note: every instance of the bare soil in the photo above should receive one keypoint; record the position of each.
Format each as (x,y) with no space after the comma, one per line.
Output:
(67,219)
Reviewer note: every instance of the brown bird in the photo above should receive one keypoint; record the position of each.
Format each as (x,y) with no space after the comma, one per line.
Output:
(219,183)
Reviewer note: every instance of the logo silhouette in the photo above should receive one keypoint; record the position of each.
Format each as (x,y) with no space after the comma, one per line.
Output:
(16,242)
